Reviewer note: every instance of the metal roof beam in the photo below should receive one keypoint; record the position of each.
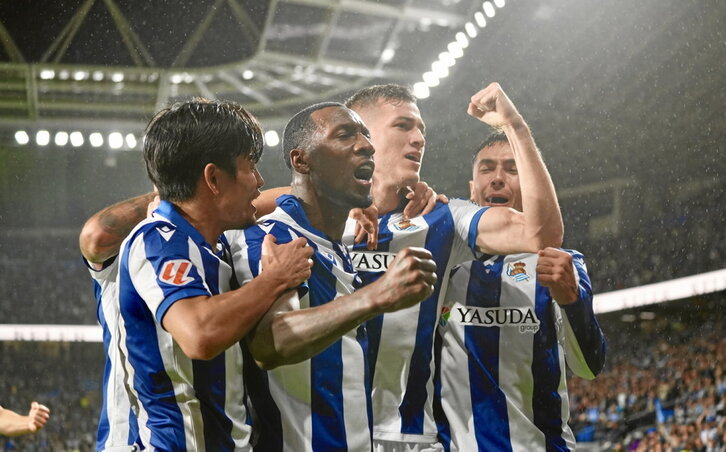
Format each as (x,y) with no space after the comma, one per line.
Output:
(133,43)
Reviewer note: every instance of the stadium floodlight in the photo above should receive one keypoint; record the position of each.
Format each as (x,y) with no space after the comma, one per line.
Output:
(488,9)
(440,69)
(76,139)
(61,138)
(47,74)
(42,138)
(388,54)
(455,49)
(430,79)
(176,78)
(96,139)
(117,77)
(480,19)
(21,136)
(131,141)
(98,75)
(115,140)
(499,3)
(470,30)
(462,40)
(272,138)
(64,75)
(80,75)
(248,75)
(421,90)
(447,59)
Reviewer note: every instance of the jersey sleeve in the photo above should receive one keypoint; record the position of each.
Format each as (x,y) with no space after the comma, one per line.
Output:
(585,345)
(108,272)
(466,216)
(165,266)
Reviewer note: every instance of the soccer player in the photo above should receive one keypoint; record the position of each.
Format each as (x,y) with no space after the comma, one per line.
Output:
(14,424)
(310,391)
(401,343)
(179,324)
(509,324)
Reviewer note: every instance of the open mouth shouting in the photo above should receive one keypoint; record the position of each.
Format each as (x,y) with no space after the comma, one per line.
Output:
(364,173)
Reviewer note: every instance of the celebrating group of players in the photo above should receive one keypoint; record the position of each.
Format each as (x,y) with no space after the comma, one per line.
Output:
(448,328)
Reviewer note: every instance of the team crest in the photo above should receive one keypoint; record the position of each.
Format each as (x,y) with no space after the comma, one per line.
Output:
(406,225)
(517,271)
(176,272)
(445,314)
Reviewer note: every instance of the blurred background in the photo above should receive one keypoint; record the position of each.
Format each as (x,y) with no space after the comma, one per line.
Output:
(625,100)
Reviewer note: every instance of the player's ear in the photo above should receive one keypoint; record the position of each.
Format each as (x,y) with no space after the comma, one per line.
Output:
(210,177)
(472,198)
(299,159)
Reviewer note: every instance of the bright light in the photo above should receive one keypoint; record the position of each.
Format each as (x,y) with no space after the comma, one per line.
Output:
(470,30)
(117,77)
(440,69)
(499,3)
(97,76)
(272,138)
(387,55)
(76,139)
(21,136)
(447,59)
(47,74)
(455,49)
(61,138)
(80,75)
(430,79)
(42,138)
(115,140)
(489,9)
(64,75)
(176,79)
(462,40)
(480,19)
(188,78)
(96,139)
(131,140)
(421,90)
(248,75)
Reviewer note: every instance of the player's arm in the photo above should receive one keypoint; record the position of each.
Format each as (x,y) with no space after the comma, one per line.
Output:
(286,335)
(566,278)
(503,230)
(101,236)
(205,326)
(13,424)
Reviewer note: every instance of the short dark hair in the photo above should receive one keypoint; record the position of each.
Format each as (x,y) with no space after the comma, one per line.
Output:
(391,92)
(182,139)
(299,130)
(495,137)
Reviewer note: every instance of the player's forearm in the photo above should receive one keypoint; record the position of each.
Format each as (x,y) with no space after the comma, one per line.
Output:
(265,203)
(101,236)
(287,336)
(585,345)
(543,221)
(12,423)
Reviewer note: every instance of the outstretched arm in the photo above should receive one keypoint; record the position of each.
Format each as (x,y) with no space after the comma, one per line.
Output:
(503,230)
(565,276)
(103,233)
(286,335)
(13,424)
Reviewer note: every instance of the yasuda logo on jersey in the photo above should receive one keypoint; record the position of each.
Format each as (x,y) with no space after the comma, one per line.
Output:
(522,318)
(176,272)
(517,271)
(372,261)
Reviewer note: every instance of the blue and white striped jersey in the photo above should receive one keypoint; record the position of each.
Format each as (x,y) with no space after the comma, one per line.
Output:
(323,403)
(401,343)
(501,352)
(117,427)
(186,404)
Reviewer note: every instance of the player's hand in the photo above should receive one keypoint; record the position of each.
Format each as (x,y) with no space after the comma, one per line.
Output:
(555,271)
(366,225)
(492,106)
(410,278)
(289,263)
(421,200)
(37,416)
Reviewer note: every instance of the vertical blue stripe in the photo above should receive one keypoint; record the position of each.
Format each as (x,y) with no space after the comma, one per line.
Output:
(546,401)
(266,421)
(489,405)
(439,239)
(443,427)
(103,423)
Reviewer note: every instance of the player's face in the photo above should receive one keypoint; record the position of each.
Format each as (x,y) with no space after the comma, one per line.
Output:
(238,192)
(341,158)
(495,180)
(398,134)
